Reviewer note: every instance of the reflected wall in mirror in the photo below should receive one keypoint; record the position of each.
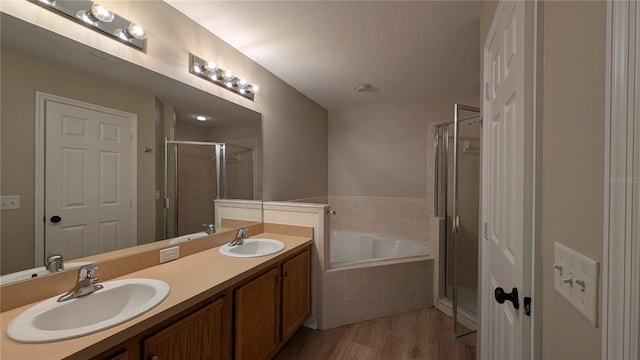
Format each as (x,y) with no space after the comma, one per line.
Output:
(155,107)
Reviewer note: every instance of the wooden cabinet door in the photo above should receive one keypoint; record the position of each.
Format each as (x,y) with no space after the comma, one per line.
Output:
(257,310)
(197,336)
(296,293)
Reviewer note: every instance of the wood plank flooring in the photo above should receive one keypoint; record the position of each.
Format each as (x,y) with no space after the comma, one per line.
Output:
(423,334)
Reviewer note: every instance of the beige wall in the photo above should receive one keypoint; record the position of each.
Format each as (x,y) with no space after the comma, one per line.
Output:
(22,76)
(573,163)
(386,149)
(294,127)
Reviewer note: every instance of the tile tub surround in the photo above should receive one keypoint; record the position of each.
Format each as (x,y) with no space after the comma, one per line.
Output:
(407,218)
(352,295)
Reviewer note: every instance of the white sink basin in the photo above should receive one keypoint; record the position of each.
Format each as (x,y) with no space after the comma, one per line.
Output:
(35,272)
(117,302)
(188,237)
(253,248)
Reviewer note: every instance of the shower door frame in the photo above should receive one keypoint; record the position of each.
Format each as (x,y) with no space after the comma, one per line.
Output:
(468,318)
(221,164)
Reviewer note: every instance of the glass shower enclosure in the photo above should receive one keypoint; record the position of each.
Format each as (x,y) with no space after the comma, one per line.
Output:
(196,174)
(457,203)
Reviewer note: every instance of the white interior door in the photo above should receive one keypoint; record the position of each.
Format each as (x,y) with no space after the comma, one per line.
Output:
(88,181)
(507,187)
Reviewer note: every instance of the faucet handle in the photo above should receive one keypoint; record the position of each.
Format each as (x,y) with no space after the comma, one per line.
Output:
(242,233)
(209,228)
(86,271)
(54,263)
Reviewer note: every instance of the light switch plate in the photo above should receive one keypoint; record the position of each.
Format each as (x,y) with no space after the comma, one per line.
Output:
(10,202)
(575,277)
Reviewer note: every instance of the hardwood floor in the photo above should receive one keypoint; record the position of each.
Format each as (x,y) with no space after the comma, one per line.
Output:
(424,334)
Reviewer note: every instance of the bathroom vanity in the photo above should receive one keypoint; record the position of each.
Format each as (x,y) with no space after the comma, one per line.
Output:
(218,307)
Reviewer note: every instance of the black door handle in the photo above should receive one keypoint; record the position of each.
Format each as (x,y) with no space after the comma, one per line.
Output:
(502,296)
(55,219)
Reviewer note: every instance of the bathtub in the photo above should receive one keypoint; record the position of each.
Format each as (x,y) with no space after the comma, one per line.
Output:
(372,276)
(354,248)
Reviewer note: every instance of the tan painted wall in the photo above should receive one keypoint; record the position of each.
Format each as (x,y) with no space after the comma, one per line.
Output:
(294,127)
(387,149)
(22,76)
(573,163)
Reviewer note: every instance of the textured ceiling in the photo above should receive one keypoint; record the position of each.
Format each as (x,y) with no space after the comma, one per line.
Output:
(407,50)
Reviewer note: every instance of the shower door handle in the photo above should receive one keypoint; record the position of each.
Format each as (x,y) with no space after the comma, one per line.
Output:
(456,223)
(502,296)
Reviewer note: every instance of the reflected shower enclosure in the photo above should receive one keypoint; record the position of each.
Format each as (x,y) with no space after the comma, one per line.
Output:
(198,173)
(457,203)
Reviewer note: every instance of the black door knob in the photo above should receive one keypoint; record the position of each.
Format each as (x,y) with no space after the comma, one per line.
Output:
(55,219)
(502,296)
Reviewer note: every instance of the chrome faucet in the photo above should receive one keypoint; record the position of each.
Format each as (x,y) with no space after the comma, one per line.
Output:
(54,263)
(87,284)
(240,236)
(209,228)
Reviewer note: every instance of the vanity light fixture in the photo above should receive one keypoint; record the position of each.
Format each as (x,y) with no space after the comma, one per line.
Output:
(98,17)
(209,70)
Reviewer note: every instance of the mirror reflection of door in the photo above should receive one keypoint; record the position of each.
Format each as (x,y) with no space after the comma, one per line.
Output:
(88,179)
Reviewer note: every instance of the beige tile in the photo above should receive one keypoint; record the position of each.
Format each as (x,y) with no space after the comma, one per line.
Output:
(361,224)
(372,280)
(373,306)
(376,209)
(407,210)
(392,278)
(391,209)
(391,303)
(354,310)
(333,285)
(336,222)
(350,206)
(353,282)
(415,299)
(333,314)
(362,207)
(423,209)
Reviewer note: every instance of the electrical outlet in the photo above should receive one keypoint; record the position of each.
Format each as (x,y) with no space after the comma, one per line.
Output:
(576,279)
(11,202)
(169,254)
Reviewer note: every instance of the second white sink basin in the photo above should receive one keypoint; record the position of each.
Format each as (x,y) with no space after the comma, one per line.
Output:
(117,302)
(253,248)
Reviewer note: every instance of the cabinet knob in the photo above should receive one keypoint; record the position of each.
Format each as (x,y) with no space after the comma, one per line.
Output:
(286,274)
(154,357)
(279,279)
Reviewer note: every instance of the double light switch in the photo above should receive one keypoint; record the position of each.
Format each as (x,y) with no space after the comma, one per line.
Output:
(575,277)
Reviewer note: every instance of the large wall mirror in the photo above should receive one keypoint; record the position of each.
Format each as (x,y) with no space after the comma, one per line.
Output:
(99,154)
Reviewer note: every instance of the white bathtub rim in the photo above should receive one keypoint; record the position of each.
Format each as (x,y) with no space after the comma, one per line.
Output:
(380,262)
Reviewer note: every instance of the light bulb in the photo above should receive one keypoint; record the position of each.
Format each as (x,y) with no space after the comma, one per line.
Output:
(243,83)
(211,66)
(243,91)
(102,13)
(229,84)
(201,118)
(197,69)
(228,74)
(255,88)
(85,16)
(137,31)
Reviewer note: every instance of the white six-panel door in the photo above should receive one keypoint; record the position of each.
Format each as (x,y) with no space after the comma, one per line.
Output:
(88,181)
(507,185)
